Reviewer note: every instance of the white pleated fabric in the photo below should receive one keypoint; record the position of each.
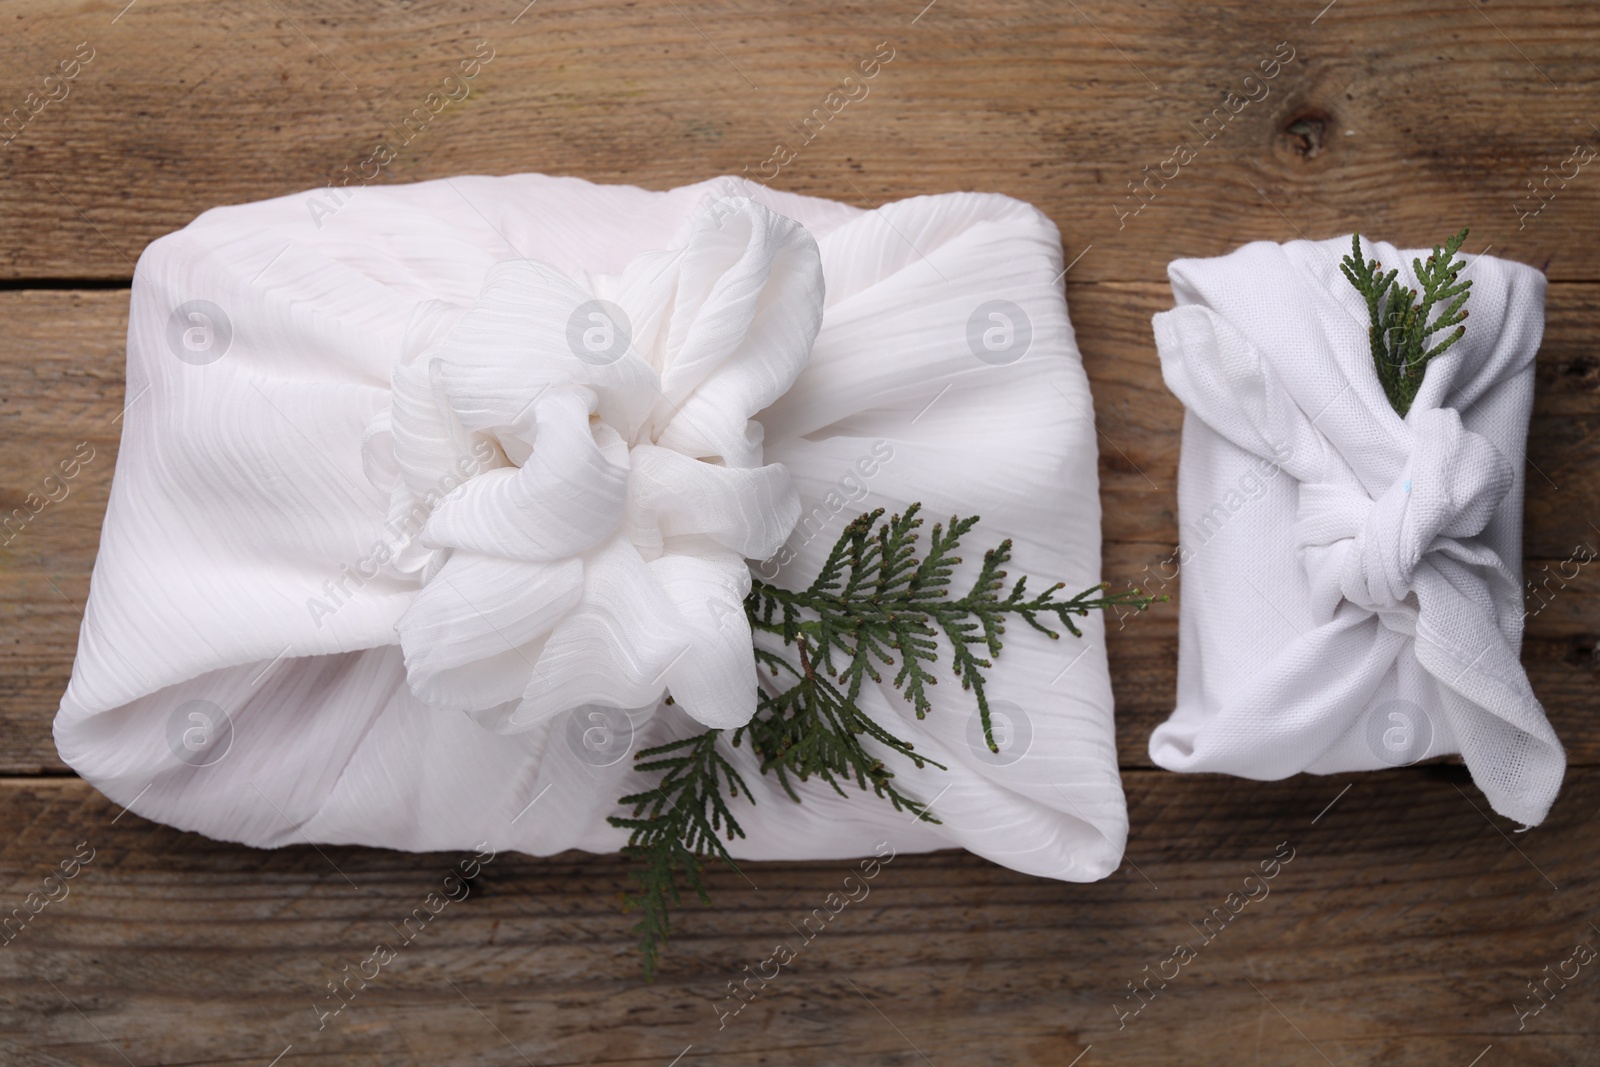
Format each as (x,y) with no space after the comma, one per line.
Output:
(1351,579)
(480,456)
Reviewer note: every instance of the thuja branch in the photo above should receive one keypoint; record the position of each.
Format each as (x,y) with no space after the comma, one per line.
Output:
(805,725)
(1401,326)
(673,826)
(875,600)
(875,606)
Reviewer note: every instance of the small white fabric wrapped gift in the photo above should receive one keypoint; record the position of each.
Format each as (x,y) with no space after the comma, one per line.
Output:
(429,495)
(1351,591)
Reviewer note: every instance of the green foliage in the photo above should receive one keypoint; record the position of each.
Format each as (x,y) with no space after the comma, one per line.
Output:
(875,604)
(1401,327)
(874,599)
(812,727)
(674,825)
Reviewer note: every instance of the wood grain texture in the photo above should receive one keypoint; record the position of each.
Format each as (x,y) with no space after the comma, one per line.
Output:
(1402,931)
(1407,119)
(1410,922)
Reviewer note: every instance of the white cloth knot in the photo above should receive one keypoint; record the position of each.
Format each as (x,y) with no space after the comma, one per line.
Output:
(1367,551)
(577,475)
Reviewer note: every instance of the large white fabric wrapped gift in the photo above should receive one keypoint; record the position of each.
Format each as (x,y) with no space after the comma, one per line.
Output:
(1351,590)
(430,495)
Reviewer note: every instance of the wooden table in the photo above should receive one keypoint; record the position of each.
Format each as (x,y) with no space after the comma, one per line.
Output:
(1411,920)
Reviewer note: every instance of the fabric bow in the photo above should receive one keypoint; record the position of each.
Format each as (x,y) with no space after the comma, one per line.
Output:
(578,474)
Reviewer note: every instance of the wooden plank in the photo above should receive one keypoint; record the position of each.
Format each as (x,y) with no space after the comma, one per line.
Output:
(61,378)
(1379,121)
(176,949)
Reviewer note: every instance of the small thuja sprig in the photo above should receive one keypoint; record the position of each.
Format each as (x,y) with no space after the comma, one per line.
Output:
(1401,327)
(673,826)
(811,727)
(875,604)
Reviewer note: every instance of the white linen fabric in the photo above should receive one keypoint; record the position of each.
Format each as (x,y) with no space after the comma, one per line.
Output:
(1351,590)
(424,488)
